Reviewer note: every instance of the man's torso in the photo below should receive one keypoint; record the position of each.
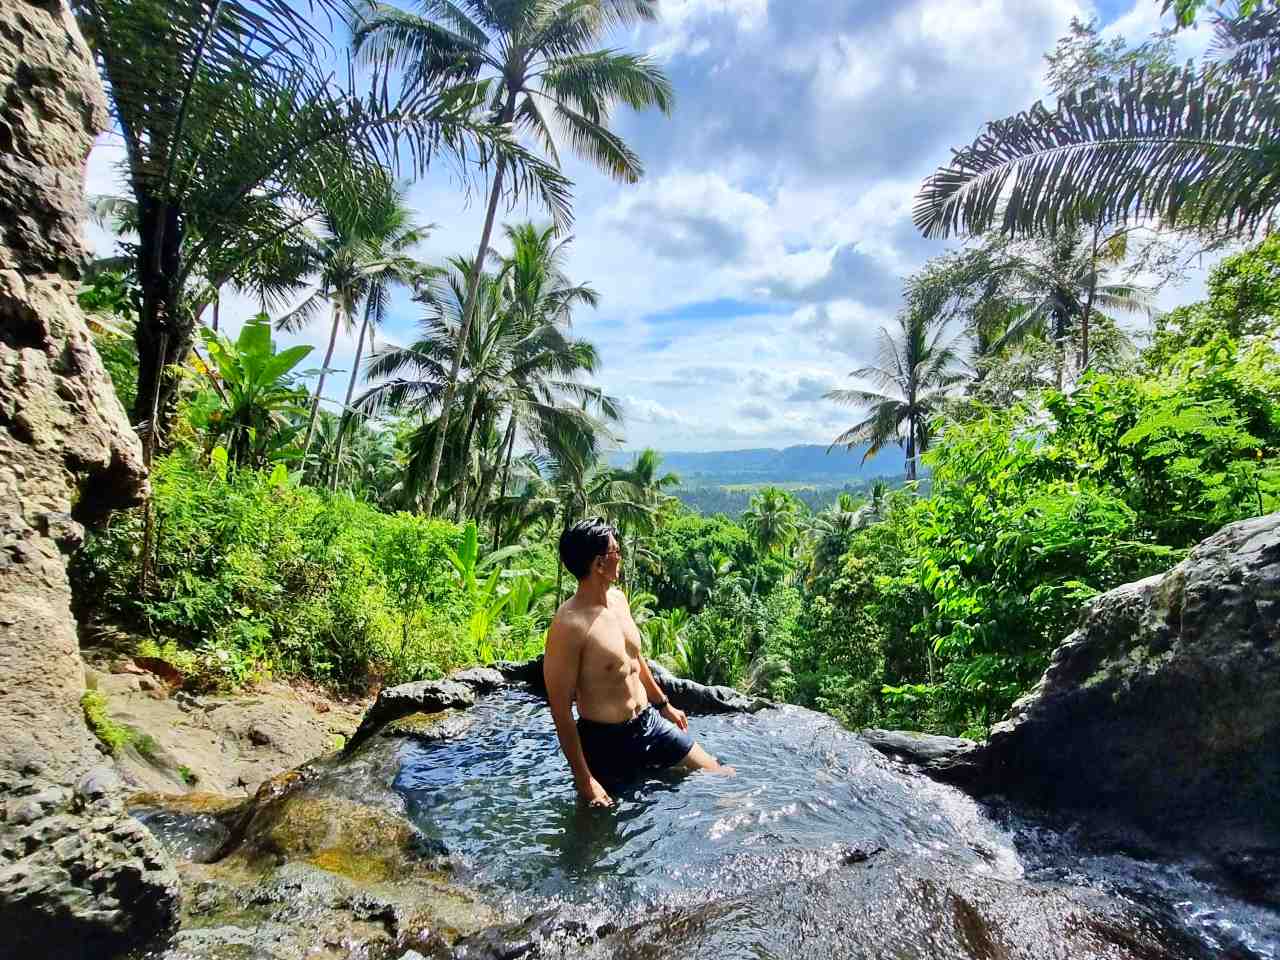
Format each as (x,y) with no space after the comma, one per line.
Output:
(609,689)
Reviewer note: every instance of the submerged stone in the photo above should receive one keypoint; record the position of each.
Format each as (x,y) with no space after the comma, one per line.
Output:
(432,727)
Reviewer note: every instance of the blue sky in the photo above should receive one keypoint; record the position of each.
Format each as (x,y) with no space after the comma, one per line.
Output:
(749,271)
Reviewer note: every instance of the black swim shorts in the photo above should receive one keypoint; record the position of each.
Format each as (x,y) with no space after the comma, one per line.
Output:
(616,752)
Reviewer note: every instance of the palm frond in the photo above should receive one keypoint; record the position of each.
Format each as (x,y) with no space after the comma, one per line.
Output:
(1183,147)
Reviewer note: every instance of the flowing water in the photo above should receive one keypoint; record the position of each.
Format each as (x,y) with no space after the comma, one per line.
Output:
(808,797)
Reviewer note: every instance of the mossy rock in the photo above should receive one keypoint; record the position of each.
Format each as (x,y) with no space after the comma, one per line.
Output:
(213,804)
(342,836)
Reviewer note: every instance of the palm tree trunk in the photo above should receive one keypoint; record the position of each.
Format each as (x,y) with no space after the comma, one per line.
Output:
(464,456)
(473,284)
(506,476)
(351,389)
(911,449)
(217,302)
(1088,303)
(328,356)
(482,495)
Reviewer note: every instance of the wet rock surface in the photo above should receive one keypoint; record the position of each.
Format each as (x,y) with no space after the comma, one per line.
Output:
(880,906)
(78,876)
(341,858)
(950,759)
(321,862)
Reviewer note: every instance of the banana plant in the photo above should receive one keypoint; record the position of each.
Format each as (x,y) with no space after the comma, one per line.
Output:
(255,398)
(665,633)
(487,602)
(526,591)
(487,605)
(467,562)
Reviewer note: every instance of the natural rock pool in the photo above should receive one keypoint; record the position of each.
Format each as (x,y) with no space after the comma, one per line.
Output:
(818,846)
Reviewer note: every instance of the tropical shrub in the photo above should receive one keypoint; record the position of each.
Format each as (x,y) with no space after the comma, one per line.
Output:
(253,575)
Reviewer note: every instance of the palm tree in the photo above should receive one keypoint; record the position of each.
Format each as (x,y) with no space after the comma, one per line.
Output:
(426,363)
(516,361)
(541,297)
(914,372)
(543,74)
(1192,147)
(230,109)
(390,232)
(1055,287)
(647,484)
(771,519)
(344,261)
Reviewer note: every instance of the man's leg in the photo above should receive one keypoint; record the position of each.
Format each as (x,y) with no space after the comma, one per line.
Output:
(699,759)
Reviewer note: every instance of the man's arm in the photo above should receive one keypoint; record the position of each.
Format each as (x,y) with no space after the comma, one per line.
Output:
(654,692)
(560,671)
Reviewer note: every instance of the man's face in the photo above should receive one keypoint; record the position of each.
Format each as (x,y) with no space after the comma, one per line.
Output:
(611,560)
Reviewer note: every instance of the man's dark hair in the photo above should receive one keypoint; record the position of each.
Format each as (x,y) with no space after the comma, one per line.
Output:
(582,543)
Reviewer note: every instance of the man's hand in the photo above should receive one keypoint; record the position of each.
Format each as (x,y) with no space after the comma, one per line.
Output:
(676,716)
(594,794)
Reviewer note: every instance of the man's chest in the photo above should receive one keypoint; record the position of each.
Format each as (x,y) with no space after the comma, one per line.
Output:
(611,646)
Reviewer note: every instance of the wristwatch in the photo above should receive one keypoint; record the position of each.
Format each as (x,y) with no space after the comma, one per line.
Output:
(664,702)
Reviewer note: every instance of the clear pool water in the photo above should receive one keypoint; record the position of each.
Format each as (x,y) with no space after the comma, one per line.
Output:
(807,795)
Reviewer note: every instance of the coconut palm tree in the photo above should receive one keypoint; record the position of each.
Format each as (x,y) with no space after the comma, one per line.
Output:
(647,483)
(913,373)
(414,377)
(1191,147)
(771,519)
(541,74)
(390,233)
(516,363)
(231,108)
(344,262)
(1056,288)
(540,296)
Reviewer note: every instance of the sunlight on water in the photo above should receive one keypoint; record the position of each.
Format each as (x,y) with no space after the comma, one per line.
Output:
(807,796)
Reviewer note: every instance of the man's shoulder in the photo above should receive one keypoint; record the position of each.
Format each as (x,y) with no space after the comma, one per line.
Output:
(567,621)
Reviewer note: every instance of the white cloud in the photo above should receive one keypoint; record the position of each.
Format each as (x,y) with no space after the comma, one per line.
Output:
(783,183)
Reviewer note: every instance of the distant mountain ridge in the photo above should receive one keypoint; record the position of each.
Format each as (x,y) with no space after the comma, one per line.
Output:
(798,464)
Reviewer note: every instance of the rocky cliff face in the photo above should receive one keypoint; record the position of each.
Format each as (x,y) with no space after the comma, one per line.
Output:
(1161,712)
(77,876)
(67,453)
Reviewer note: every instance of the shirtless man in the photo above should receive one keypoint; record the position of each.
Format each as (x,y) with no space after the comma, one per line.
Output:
(625,722)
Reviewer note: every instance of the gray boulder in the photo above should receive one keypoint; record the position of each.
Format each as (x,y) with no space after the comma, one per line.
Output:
(78,876)
(697,698)
(430,702)
(1161,712)
(423,696)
